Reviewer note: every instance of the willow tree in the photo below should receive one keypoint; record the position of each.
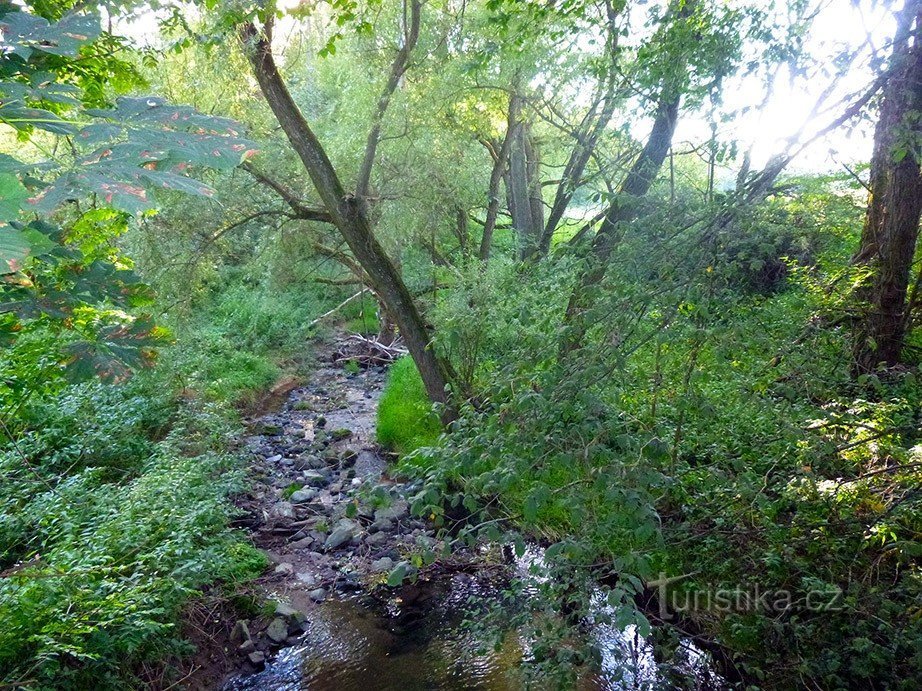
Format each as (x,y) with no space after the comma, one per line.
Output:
(350,209)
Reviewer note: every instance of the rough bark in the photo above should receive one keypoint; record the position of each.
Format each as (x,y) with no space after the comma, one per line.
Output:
(349,214)
(519,202)
(535,196)
(891,227)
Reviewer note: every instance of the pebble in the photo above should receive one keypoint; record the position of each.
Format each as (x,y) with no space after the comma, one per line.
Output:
(397,510)
(376,539)
(317,595)
(382,525)
(308,580)
(285,568)
(344,531)
(315,478)
(302,496)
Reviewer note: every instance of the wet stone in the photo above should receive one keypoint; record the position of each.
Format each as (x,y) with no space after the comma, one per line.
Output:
(278,630)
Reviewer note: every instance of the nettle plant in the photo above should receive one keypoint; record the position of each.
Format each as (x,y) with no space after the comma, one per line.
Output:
(78,177)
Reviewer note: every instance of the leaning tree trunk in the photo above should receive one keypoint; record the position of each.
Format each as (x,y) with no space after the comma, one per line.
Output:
(624,209)
(349,214)
(891,227)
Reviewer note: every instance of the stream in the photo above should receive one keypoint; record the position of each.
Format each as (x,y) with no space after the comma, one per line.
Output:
(334,524)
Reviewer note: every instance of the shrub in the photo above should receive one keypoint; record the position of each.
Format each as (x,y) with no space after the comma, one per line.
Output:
(406,420)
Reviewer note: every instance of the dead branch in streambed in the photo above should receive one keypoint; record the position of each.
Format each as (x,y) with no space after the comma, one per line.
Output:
(368,352)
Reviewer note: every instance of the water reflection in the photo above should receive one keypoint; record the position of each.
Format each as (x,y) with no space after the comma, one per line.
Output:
(365,645)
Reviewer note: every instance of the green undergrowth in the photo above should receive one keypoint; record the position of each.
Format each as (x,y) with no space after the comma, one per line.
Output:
(709,436)
(406,420)
(114,514)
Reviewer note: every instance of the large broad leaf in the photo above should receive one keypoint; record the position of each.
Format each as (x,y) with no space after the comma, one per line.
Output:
(155,111)
(25,33)
(119,348)
(14,248)
(18,242)
(16,113)
(43,86)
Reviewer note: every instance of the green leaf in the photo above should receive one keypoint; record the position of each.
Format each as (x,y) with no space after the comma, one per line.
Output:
(12,195)
(14,248)
(399,572)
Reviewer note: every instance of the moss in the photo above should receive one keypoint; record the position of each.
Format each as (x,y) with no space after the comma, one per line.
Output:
(406,420)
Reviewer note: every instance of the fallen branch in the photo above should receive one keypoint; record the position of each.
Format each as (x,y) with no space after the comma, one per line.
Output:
(338,307)
(368,352)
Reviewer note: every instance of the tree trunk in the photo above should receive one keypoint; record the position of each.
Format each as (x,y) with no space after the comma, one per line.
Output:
(519,201)
(500,161)
(624,209)
(891,227)
(350,215)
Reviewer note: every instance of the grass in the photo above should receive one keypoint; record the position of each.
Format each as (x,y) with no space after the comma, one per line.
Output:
(406,420)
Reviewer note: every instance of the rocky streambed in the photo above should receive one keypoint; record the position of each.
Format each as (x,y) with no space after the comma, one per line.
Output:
(337,527)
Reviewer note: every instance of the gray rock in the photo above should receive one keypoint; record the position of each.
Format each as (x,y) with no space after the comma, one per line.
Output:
(302,496)
(241,632)
(278,630)
(302,542)
(284,509)
(317,595)
(257,658)
(397,510)
(376,539)
(315,478)
(382,525)
(285,568)
(308,580)
(274,459)
(247,647)
(290,613)
(344,531)
(382,564)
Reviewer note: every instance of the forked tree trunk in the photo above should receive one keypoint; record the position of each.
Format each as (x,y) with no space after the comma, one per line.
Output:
(349,214)
(891,228)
